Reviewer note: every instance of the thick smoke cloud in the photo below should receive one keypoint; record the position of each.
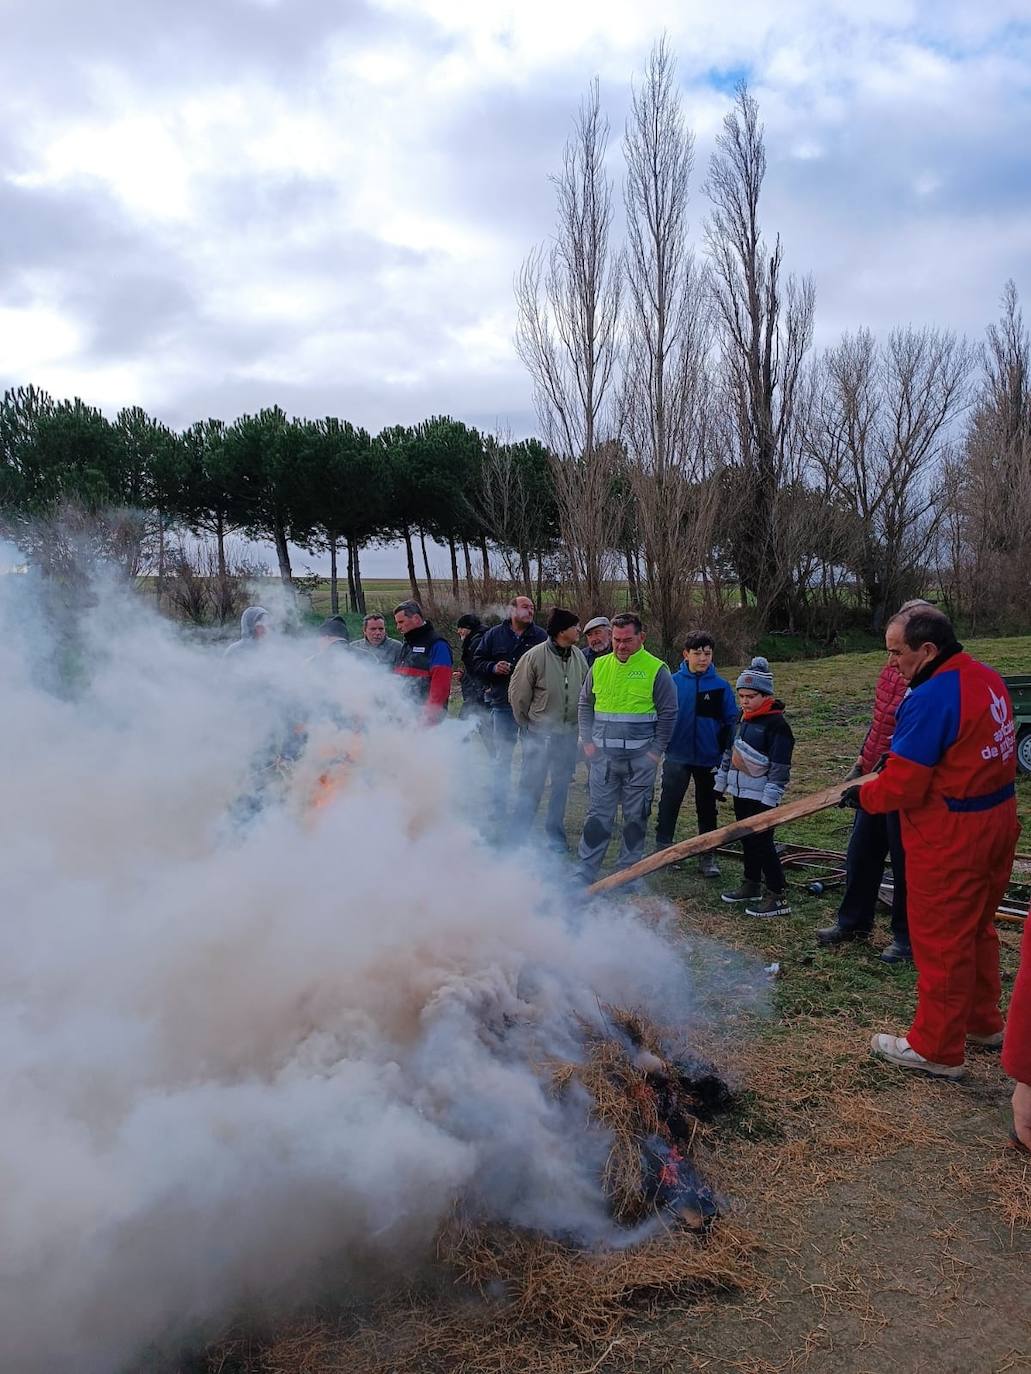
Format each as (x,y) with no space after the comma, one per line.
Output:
(243,1038)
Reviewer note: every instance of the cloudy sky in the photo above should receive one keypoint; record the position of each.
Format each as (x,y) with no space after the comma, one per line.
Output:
(207,206)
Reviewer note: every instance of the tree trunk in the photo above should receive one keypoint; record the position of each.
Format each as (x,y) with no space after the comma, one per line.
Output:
(352,596)
(633,585)
(454,567)
(486,567)
(283,554)
(334,596)
(524,567)
(161,558)
(468,568)
(426,562)
(410,552)
(540,578)
(220,540)
(359,590)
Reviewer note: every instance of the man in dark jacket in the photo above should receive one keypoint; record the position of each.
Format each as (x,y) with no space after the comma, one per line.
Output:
(425,661)
(706,715)
(875,838)
(494,657)
(470,631)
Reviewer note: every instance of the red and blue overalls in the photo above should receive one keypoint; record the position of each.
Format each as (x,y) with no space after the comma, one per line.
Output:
(950,775)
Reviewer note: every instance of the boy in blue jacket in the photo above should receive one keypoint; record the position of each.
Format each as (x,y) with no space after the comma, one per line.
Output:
(706,716)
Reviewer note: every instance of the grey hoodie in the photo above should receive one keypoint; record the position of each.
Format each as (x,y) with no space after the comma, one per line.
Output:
(249,622)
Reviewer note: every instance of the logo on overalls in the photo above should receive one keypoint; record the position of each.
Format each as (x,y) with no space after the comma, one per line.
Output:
(1004,738)
(1000,709)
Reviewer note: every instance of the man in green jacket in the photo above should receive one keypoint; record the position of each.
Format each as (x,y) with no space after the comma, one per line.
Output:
(628,710)
(544,693)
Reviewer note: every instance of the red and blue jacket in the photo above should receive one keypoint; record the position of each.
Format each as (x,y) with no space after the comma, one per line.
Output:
(954,746)
(425,662)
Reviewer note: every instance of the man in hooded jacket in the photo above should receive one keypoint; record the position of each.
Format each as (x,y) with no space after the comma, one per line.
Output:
(255,624)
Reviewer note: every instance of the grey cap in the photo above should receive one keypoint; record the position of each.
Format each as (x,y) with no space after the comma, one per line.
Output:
(600,622)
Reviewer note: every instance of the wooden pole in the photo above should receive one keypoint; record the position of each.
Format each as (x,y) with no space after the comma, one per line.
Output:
(727,834)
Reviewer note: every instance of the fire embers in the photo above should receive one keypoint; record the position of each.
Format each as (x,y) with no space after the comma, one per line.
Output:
(652,1103)
(674,1185)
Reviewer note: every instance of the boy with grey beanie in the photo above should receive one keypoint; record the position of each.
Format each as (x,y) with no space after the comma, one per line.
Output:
(755,770)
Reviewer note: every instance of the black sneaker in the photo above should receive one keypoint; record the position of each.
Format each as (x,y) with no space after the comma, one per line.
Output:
(747,892)
(776,904)
(896,954)
(839,935)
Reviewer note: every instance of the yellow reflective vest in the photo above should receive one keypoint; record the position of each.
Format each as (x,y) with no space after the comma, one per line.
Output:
(624,700)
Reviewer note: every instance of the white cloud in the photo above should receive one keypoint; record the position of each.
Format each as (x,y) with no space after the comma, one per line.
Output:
(327,206)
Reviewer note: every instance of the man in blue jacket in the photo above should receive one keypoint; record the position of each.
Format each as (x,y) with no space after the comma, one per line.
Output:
(706,715)
(495,655)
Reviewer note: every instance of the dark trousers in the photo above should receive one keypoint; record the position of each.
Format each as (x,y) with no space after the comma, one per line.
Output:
(504,734)
(873,839)
(761,860)
(476,711)
(547,755)
(676,777)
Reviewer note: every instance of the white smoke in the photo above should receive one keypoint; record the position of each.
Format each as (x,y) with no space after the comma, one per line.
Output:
(240,1036)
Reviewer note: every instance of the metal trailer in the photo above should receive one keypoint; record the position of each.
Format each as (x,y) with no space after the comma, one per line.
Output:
(1019,687)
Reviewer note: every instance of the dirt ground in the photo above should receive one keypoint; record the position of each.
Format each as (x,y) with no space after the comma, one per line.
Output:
(895,1229)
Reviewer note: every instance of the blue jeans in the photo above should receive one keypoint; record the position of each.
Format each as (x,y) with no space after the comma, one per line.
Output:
(873,839)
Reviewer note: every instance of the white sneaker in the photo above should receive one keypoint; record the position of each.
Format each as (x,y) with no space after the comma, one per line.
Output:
(986,1042)
(897,1050)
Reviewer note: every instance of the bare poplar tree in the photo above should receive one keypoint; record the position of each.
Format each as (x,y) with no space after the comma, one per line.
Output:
(880,436)
(568,298)
(667,339)
(764,325)
(989,511)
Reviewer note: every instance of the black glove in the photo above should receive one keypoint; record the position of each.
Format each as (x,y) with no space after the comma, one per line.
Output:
(850,799)
(879,765)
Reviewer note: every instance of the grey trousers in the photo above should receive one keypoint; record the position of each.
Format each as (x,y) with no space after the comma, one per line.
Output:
(624,781)
(547,754)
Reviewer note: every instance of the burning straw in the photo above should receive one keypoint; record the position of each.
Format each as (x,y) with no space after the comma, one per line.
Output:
(515,1300)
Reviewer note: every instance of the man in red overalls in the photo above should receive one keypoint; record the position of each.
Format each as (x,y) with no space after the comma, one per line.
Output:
(950,775)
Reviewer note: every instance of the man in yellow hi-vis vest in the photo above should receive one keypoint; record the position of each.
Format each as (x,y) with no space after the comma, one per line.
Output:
(628,709)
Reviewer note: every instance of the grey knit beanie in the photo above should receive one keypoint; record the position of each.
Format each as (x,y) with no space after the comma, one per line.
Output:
(757,677)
